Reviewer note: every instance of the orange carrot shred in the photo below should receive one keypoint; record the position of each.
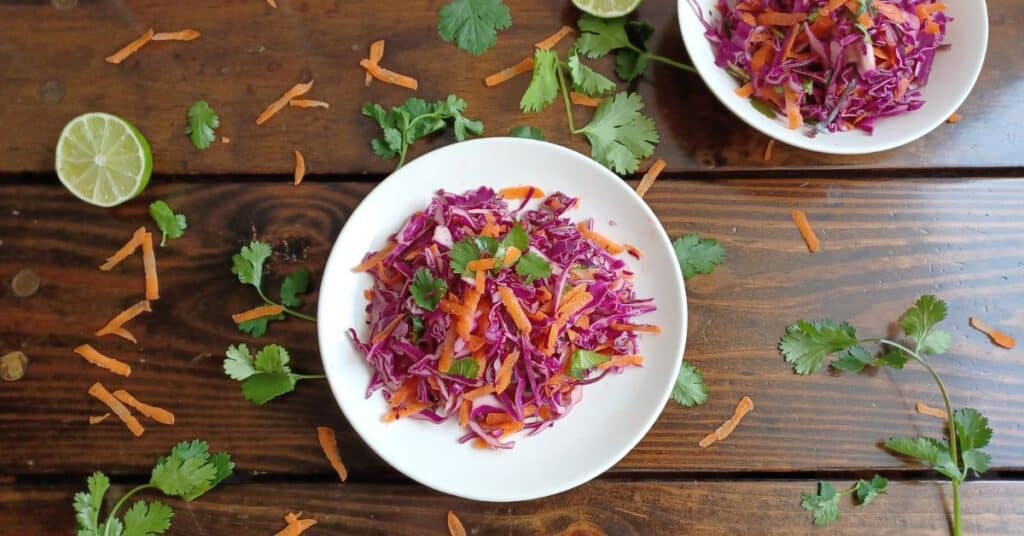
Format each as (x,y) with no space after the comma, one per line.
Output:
(376,54)
(159,415)
(652,175)
(505,372)
(508,73)
(515,310)
(997,337)
(464,410)
(296,91)
(149,265)
(295,525)
(181,35)
(96,419)
(455,527)
(375,259)
(388,329)
(802,225)
(549,42)
(272,3)
(622,361)
(257,312)
(768,149)
(746,90)
(601,240)
(126,250)
(130,48)
(925,11)
(889,11)
(478,281)
(403,393)
(105,362)
(300,168)
(931,27)
(452,307)
(761,57)
(464,323)
(583,100)
(511,255)
(444,362)
(478,392)
(368,295)
(831,6)
(520,192)
(113,327)
(308,103)
(778,18)
(330,446)
(955,118)
(481,264)
(925,409)
(745,406)
(792,108)
(638,328)
(100,393)
(389,77)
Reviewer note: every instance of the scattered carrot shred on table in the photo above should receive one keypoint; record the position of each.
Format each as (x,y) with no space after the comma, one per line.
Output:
(802,225)
(297,90)
(149,264)
(114,327)
(105,362)
(455,527)
(745,406)
(100,393)
(308,103)
(955,118)
(520,192)
(583,100)
(225,139)
(997,337)
(181,35)
(126,250)
(376,54)
(550,41)
(159,415)
(257,312)
(652,175)
(295,526)
(389,77)
(272,3)
(768,150)
(96,419)
(300,167)
(130,48)
(925,409)
(508,73)
(330,446)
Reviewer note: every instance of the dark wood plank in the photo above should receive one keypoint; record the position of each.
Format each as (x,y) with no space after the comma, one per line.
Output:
(884,243)
(249,54)
(911,508)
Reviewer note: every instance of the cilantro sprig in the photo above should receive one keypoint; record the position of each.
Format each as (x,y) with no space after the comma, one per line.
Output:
(530,266)
(247,264)
(201,124)
(416,119)
(188,473)
(689,390)
(628,39)
(697,255)
(824,505)
(807,345)
(265,376)
(171,225)
(473,24)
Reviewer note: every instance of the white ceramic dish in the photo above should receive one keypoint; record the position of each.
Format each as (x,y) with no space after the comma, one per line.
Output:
(953,75)
(614,414)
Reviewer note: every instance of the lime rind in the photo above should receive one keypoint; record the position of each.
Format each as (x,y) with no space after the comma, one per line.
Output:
(607,9)
(102,159)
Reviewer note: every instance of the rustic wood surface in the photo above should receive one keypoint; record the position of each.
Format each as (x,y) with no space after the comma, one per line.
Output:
(249,54)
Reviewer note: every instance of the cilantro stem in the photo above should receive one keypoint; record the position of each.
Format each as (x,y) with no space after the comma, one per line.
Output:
(565,97)
(119,503)
(310,376)
(662,59)
(292,312)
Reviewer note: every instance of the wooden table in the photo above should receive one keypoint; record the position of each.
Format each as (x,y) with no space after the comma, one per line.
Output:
(943,215)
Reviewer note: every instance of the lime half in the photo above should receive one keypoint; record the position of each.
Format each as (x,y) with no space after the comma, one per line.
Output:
(103,159)
(607,9)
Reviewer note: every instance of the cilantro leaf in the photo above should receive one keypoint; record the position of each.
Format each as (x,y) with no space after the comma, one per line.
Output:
(516,237)
(416,119)
(427,290)
(853,359)
(257,327)
(293,285)
(586,80)
(824,505)
(473,24)
(806,344)
(201,122)
(272,358)
(976,460)
(190,470)
(462,253)
(584,360)
(247,264)
(868,490)
(892,358)
(927,450)
(265,376)
(265,386)
(526,131)
(632,62)
(689,390)
(466,367)
(144,519)
(761,106)
(972,430)
(543,86)
(171,225)
(697,255)
(918,323)
(599,37)
(239,363)
(619,134)
(87,504)
(417,328)
(532,267)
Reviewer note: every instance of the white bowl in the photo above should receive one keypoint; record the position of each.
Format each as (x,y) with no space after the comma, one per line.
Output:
(614,413)
(953,75)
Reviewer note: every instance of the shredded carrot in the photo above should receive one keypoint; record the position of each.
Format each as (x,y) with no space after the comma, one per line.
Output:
(105,362)
(388,329)
(498,419)
(778,18)
(478,281)
(130,48)
(478,392)
(330,446)
(889,11)
(296,91)
(480,444)
(998,338)
(582,322)
(481,264)
(583,100)
(745,406)
(768,149)
(505,372)
(96,419)
(375,259)
(549,42)
(622,361)
(295,525)
(761,57)
(389,77)
(149,264)
(455,527)
(955,118)
(491,230)
(931,27)
(925,409)
(925,11)
(638,328)
(829,7)
(412,408)
(159,415)
(300,168)
(574,305)
(181,35)
(113,327)
(802,225)
(100,393)
(746,90)
(511,303)
(508,73)
(272,3)
(652,175)
(452,307)
(257,312)
(376,54)
(308,103)
(403,393)
(464,323)
(520,192)
(368,295)
(511,255)
(604,242)
(464,409)
(792,108)
(511,427)
(444,362)
(127,249)
(787,45)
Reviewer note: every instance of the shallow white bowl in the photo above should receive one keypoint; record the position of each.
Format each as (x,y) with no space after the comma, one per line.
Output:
(953,75)
(614,414)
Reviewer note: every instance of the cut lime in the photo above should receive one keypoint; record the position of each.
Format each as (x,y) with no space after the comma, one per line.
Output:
(607,9)
(103,159)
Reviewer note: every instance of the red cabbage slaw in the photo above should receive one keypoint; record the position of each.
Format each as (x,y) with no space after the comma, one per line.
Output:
(836,64)
(473,355)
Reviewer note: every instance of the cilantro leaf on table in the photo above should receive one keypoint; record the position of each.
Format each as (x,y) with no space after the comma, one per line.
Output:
(247,264)
(806,344)
(586,80)
(824,505)
(239,364)
(628,39)
(296,283)
(853,359)
(473,24)
(87,504)
(584,360)
(599,36)
(264,376)
(697,255)
(630,62)
(201,124)
(619,134)
(427,290)
(532,267)
(919,322)
(973,434)
(190,470)
(145,519)
(543,86)
(171,225)
(927,450)
(526,131)
(416,119)
(466,367)
(689,390)
(868,490)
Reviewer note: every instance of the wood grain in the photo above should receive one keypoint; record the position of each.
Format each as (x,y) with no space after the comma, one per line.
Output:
(883,244)
(249,54)
(616,508)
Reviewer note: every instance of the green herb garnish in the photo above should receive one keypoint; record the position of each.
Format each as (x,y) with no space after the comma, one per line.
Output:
(265,376)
